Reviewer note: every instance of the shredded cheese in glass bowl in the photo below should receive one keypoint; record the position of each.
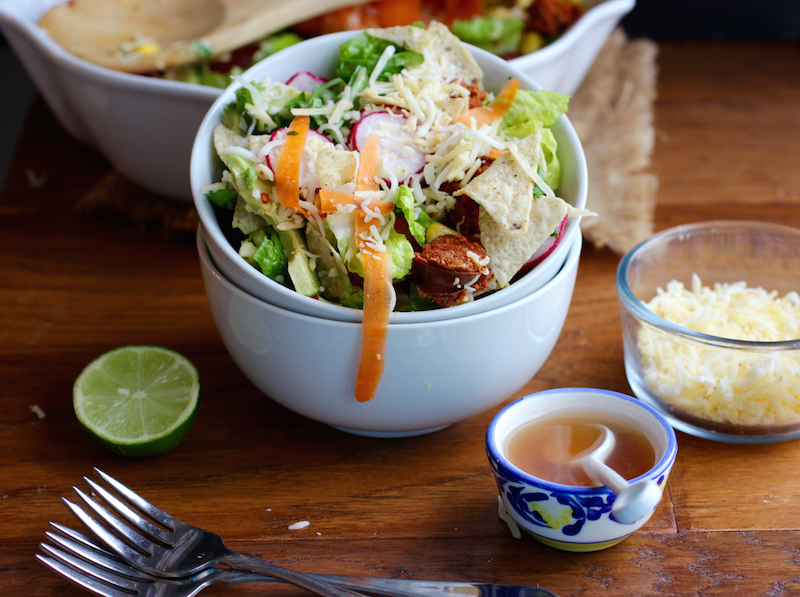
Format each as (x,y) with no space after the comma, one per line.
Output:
(712,333)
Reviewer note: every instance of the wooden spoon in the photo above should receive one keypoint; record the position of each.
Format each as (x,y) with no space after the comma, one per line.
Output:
(140,36)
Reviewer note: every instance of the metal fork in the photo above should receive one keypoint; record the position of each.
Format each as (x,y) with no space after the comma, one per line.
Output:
(76,557)
(170,548)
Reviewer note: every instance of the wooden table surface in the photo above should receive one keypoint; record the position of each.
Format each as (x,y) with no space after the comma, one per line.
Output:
(72,287)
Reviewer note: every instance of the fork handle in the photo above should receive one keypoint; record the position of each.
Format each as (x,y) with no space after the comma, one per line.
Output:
(402,587)
(239,561)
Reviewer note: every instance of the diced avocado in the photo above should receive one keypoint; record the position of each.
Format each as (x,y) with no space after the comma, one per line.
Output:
(331,270)
(303,277)
(242,170)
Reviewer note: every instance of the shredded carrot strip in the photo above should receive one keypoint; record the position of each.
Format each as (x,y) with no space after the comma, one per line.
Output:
(368,166)
(378,290)
(496,109)
(377,307)
(496,153)
(330,201)
(287,171)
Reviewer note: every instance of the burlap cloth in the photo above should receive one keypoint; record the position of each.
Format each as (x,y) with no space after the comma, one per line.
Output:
(612,113)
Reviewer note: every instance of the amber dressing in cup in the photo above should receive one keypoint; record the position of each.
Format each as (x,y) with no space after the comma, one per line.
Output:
(546,447)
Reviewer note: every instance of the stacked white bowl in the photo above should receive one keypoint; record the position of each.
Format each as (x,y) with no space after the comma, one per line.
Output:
(441,366)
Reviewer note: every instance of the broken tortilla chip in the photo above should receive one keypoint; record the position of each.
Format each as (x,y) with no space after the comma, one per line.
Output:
(441,45)
(505,189)
(509,252)
(335,167)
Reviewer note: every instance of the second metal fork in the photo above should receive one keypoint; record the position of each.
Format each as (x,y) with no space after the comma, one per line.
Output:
(85,563)
(170,548)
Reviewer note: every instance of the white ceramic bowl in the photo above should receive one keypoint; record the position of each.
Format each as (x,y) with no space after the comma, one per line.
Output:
(436,374)
(562,65)
(570,517)
(319,56)
(145,126)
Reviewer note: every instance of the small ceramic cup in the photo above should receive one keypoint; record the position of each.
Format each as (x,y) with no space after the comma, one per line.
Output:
(568,517)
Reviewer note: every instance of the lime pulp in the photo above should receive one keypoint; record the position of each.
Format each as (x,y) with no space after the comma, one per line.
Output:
(137,400)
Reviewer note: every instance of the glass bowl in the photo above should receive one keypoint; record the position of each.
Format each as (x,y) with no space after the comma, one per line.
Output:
(719,388)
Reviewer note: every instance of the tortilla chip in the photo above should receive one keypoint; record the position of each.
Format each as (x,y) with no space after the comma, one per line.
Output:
(224,138)
(441,45)
(257,142)
(509,252)
(335,167)
(244,219)
(453,106)
(505,190)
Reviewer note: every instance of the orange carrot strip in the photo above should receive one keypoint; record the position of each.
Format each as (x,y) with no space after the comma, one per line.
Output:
(330,201)
(287,170)
(368,167)
(378,290)
(496,109)
(377,307)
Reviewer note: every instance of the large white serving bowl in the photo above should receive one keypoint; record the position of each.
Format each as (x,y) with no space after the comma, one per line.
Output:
(562,65)
(436,374)
(319,56)
(142,125)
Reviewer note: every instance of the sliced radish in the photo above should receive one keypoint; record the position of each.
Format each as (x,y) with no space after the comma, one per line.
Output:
(398,155)
(308,174)
(305,81)
(546,248)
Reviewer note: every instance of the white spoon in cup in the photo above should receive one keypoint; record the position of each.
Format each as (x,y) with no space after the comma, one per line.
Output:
(634,500)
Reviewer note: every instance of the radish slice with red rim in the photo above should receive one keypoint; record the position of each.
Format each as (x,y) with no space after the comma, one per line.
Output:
(399,155)
(547,247)
(306,81)
(308,175)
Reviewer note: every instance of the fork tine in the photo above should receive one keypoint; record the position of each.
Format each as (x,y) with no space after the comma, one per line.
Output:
(99,558)
(79,537)
(139,523)
(118,545)
(63,564)
(139,502)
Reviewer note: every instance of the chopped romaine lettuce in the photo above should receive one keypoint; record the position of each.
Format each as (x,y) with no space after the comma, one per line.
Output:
(532,111)
(417,222)
(499,36)
(275,43)
(269,255)
(223,197)
(365,50)
(549,146)
(401,253)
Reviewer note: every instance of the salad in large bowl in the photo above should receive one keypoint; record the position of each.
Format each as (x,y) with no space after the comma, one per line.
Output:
(396,183)
(402,158)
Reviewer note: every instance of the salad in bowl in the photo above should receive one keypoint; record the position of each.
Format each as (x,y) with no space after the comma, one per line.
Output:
(398,183)
(403,156)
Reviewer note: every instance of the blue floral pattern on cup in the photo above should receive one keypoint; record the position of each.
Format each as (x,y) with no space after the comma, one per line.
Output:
(570,517)
(544,509)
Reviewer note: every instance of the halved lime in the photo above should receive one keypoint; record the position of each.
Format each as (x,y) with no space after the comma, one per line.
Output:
(137,400)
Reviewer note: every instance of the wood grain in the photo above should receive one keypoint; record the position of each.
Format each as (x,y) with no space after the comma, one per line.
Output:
(728,117)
